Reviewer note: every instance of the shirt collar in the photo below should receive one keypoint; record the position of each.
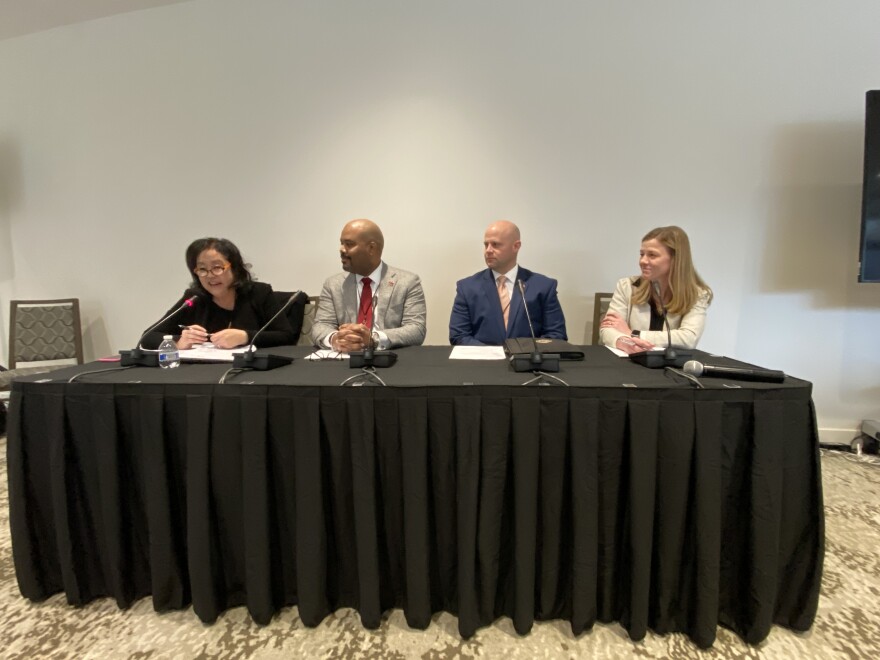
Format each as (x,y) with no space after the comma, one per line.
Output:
(510,275)
(375,276)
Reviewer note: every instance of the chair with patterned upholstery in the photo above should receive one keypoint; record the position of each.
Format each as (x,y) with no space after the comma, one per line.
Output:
(601,301)
(44,332)
(305,338)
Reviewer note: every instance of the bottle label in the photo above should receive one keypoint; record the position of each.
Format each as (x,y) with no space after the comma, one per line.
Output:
(169,357)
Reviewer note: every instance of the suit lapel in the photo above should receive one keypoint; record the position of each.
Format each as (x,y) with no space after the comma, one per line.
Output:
(387,281)
(516,307)
(350,300)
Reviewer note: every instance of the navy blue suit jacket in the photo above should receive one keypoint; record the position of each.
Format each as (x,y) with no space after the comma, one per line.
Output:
(476,313)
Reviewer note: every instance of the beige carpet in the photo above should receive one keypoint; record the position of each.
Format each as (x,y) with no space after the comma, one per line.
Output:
(848,624)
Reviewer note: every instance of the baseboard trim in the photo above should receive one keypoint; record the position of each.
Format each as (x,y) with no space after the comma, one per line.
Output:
(837,436)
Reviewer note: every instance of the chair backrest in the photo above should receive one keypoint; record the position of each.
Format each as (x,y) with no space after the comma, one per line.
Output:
(295,312)
(44,330)
(305,337)
(600,306)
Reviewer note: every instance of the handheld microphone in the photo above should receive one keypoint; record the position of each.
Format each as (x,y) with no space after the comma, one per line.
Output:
(248,360)
(695,368)
(137,356)
(537,361)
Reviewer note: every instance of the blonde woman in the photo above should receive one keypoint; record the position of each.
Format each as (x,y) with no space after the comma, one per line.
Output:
(668,280)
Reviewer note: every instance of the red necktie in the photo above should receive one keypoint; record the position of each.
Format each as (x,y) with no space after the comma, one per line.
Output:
(365,311)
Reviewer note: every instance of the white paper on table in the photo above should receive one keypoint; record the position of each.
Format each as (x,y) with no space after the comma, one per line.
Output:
(620,353)
(326,354)
(209,353)
(477,353)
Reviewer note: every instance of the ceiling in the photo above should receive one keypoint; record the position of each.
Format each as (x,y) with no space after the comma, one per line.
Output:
(20,17)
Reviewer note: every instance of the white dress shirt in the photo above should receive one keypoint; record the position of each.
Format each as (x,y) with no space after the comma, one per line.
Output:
(511,278)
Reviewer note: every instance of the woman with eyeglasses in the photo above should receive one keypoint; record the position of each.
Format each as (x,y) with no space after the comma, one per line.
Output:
(231,306)
(668,281)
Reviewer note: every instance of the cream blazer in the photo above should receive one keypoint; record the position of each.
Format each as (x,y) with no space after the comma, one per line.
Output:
(686,329)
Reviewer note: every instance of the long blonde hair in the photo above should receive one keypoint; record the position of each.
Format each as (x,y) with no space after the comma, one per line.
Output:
(685,283)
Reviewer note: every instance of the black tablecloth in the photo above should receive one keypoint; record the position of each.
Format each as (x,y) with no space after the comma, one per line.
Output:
(629,496)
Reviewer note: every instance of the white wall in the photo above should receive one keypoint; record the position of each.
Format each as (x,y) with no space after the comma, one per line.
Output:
(274,122)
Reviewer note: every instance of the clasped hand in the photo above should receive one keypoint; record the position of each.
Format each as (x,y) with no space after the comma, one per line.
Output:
(196,334)
(351,337)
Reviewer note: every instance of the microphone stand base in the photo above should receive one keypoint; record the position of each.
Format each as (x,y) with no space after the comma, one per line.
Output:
(379,359)
(264,362)
(546,362)
(137,357)
(543,378)
(657,360)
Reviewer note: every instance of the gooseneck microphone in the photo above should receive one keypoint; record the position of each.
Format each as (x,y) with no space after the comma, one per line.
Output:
(669,354)
(670,357)
(537,361)
(694,368)
(248,360)
(189,302)
(137,356)
(370,348)
(371,357)
(536,358)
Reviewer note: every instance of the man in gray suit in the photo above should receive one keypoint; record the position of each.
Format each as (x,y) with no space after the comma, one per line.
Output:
(371,302)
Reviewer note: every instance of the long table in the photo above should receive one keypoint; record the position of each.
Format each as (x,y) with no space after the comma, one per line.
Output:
(628,496)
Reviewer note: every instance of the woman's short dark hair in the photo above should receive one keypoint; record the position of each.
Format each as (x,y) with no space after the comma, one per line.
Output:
(241,272)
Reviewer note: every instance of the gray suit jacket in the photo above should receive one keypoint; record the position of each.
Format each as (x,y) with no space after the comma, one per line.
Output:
(400,307)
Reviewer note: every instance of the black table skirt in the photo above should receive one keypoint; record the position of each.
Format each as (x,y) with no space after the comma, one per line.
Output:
(671,509)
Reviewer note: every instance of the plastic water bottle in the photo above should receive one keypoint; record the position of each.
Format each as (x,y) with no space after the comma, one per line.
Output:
(169,358)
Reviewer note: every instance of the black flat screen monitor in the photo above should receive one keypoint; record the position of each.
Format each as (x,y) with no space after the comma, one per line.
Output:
(869,248)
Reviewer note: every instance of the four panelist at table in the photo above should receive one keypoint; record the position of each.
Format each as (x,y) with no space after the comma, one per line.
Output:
(626,496)
(373,304)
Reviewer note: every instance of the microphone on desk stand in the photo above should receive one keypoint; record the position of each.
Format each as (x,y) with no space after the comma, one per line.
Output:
(144,358)
(370,357)
(541,364)
(671,356)
(249,360)
(370,348)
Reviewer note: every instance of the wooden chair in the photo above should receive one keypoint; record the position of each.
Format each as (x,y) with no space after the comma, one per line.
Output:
(601,301)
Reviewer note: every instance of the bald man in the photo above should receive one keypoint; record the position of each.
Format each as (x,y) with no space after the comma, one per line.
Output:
(488,305)
(371,302)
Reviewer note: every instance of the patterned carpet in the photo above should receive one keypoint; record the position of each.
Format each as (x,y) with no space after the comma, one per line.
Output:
(848,624)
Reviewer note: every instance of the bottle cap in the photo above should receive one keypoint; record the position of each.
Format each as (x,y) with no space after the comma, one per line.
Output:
(167,336)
